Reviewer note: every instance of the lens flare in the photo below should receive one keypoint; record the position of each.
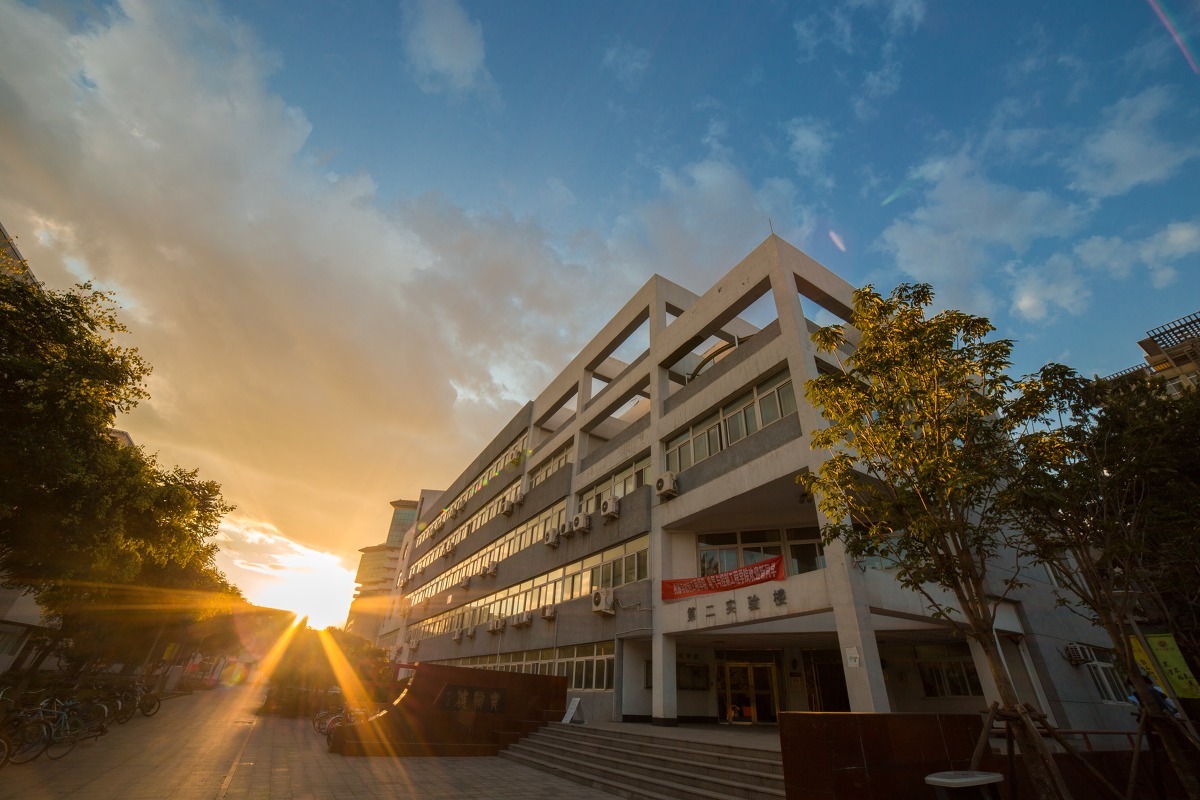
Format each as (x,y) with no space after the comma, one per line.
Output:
(1173,29)
(837,241)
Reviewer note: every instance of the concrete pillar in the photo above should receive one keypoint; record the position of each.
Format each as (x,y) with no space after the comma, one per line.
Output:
(856,635)
(664,694)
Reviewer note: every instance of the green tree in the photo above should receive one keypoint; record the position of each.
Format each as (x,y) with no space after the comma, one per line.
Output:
(921,432)
(1110,500)
(84,519)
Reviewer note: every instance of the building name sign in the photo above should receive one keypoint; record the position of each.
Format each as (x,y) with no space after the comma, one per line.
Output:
(480,699)
(763,571)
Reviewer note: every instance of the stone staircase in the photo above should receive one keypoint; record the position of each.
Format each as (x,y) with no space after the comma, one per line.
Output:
(641,766)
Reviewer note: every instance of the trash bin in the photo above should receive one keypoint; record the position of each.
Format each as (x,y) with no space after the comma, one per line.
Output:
(964,784)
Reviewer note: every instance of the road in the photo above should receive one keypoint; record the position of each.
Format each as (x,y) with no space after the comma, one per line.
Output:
(212,746)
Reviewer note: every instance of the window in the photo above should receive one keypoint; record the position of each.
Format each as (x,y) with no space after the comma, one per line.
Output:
(722,552)
(1106,676)
(947,670)
(767,402)
(805,551)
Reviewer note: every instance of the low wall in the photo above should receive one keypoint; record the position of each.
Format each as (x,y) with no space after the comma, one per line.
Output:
(850,756)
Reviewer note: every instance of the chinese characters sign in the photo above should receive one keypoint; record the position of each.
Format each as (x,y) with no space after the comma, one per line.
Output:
(1167,653)
(472,698)
(763,571)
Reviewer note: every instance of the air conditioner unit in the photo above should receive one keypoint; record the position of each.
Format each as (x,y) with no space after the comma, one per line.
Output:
(582,523)
(566,529)
(449,552)
(425,602)
(667,485)
(470,632)
(602,601)
(414,645)
(466,583)
(454,511)
(483,571)
(507,508)
(496,625)
(492,567)
(457,636)
(611,508)
(522,620)
(551,538)
(1077,653)
(548,612)
(519,498)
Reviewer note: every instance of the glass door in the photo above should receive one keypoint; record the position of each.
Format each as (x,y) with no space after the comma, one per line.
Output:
(749,694)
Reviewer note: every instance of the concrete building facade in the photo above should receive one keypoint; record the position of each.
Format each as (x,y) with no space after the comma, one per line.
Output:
(668,449)
(1172,353)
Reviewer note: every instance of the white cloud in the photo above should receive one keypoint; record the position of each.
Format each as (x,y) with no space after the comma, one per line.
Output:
(444,47)
(1128,150)
(810,141)
(967,225)
(1158,253)
(627,62)
(1037,290)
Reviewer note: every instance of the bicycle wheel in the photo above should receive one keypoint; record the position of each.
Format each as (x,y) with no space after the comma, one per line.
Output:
(64,736)
(126,710)
(28,741)
(3,751)
(318,721)
(149,705)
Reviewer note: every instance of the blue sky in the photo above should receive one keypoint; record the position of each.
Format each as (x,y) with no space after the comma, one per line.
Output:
(354,237)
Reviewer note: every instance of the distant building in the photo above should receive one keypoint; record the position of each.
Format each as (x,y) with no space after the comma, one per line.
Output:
(638,528)
(11,258)
(1172,353)
(377,571)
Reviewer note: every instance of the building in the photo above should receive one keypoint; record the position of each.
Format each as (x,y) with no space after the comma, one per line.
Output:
(1172,352)
(668,450)
(378,569)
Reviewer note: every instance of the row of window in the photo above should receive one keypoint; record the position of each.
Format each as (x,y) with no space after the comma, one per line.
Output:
(469,526)
(586,666)
(528,533)
(767,402)
(722,552)
(551,465)
(615,566)
(512,458)
(620,483)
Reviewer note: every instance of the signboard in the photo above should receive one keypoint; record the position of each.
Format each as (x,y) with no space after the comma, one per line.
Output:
(763,571)
(1166,652)
(481,699)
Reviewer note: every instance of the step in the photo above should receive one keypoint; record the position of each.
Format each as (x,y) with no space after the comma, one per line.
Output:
(620,784)
(765,761)
(732,781)
(638,733)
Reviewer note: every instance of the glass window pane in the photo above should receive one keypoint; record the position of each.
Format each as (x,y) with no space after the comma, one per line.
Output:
(700,447)
(751,424)
(769,408)
(787,399)
(714,440)
(643,564)
(630,568)
(733,429)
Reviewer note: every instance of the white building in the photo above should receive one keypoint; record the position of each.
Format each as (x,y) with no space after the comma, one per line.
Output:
(668,449)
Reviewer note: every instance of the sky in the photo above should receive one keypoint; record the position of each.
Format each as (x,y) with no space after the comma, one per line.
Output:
(353,238)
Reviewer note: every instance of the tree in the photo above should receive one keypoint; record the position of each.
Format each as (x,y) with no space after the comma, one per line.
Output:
(922,429)
(1110,500)
(87,522)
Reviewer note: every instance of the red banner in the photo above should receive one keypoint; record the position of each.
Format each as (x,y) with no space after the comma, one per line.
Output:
(763,571)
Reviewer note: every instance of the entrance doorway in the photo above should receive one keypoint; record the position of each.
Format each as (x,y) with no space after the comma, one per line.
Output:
(747,693)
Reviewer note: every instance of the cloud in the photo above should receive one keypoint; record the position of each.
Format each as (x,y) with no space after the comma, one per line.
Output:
(444,47)
(1128,150)
(1037,290)
(306,344)
(1158,253)
(810,141)
(627,63)
(708,216)
(967,225)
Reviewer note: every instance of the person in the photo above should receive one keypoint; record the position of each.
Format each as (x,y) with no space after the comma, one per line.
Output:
(1164,701)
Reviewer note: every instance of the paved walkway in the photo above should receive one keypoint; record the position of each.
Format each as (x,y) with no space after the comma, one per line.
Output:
(212,746)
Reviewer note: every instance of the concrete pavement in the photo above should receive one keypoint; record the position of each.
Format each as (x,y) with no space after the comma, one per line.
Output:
(212,746)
